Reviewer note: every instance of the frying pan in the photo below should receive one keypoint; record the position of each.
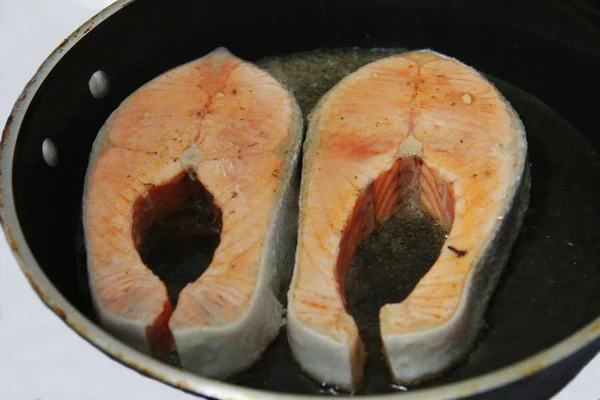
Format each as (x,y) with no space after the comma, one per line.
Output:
(543,322)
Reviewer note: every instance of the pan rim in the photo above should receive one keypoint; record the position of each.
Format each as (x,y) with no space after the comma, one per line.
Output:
(175,377)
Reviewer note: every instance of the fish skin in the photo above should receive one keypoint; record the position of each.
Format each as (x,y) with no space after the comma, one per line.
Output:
(394,122)
(240,133)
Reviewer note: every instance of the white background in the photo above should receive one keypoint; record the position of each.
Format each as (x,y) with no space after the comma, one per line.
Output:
(40,357)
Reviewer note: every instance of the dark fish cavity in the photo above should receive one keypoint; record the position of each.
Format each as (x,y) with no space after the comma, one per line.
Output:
(389,263)
(180,246)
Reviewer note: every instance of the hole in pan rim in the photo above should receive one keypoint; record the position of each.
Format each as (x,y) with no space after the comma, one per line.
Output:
(176,377)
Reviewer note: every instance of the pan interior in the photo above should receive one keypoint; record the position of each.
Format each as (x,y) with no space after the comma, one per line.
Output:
(548,291)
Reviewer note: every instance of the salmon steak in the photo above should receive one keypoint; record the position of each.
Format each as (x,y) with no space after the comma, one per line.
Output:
(417,127)
(224,128)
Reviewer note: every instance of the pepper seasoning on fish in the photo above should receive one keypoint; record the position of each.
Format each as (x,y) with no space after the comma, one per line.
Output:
(424,127)
(235,129)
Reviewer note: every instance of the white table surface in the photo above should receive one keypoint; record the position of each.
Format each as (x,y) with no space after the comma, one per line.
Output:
(40,357)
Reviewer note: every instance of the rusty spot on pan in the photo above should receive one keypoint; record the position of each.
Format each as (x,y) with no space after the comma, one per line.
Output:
(531,369)
(9,121)
(44,296)
(13,244)
(596,327)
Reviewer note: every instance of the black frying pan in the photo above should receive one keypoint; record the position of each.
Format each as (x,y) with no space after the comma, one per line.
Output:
(543,55)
